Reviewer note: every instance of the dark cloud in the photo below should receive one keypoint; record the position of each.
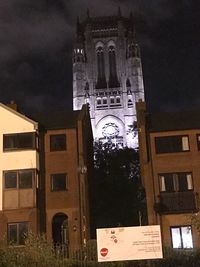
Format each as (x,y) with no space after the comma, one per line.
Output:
(36,40)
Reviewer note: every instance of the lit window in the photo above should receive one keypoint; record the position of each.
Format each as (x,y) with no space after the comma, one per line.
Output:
(57,142)
(182,237)
(20,179)
(59,182)
(17,233)
(170,144)
(179,182)
(19,141)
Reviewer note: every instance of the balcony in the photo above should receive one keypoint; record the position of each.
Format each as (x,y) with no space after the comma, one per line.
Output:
(177,202)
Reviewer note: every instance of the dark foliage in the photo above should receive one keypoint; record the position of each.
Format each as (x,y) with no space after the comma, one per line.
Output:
(117,194)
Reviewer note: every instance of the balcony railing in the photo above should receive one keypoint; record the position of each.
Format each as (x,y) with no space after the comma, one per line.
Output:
(177,202)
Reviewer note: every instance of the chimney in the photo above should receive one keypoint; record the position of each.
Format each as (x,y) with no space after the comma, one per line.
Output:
(12,105)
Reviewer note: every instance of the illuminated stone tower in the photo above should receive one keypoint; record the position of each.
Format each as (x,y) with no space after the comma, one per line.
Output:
(107,74)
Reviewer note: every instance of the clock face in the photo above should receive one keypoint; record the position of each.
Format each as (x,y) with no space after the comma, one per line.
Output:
(110,130)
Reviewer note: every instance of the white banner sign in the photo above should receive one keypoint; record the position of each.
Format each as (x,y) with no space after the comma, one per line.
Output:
(129,243)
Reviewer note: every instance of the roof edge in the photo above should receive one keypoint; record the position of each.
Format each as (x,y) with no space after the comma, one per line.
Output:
(20,115)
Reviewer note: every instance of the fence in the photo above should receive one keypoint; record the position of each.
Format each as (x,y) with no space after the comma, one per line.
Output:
(40,254)
(87,257)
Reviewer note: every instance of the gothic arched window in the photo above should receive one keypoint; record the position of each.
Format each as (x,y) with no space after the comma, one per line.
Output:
(113,81)
(101,79)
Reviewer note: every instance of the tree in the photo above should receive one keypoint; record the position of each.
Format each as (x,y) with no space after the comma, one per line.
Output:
(117,194)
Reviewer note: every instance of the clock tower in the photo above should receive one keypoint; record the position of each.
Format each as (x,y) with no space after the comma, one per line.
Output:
(107,74)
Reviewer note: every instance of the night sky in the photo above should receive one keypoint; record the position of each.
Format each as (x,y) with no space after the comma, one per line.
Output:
(36,39)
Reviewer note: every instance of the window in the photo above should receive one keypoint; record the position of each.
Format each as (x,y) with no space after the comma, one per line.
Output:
(112,100)
(25,179)
(175,182)
(128,84)
(99,101)
(113,80)
(170,144)
(10,180)
(19,141)
(182,237)
(17,233)
(59,182)
(118,100)
(104,101)
(57,142)
(101,79)
(19,179)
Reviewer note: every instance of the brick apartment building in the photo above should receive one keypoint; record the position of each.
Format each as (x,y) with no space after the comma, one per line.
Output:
(170,170)
(45,166)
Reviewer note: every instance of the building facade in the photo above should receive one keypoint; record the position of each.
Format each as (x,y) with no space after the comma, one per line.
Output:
(107,74)
(45,167)
(19,169)
(170,167)
(68,163)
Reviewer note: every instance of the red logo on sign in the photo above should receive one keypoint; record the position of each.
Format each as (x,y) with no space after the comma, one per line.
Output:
(104,252)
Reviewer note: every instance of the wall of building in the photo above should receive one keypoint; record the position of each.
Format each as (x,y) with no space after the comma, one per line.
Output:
(153,164)
(17,205)
(67,201)
(45,208)
(75,161)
